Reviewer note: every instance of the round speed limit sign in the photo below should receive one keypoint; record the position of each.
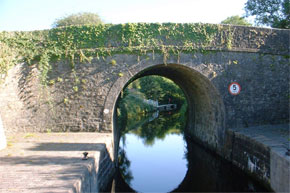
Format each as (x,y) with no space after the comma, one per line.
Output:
(234,88)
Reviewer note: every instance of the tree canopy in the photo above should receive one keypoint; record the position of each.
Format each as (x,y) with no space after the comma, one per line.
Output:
(78,19)
(274,13)
(160,88)
(236,20)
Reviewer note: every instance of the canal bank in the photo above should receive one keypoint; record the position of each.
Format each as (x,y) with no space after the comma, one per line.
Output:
(52,162)
(263,152)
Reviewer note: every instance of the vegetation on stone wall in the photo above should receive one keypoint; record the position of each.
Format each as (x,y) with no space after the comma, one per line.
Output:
(82,43)
(7,59)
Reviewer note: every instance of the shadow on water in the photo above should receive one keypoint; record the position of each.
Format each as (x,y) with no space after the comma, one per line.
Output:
(154,156)
(208,173)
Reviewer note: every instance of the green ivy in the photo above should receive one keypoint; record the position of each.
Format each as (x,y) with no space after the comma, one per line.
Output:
(41,48)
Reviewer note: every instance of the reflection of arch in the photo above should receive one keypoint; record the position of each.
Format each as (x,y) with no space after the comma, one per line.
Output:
(206,173)
(120,184)
(209,173)
(206,109)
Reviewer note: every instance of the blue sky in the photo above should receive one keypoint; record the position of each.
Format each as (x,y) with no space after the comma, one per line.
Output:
(25,15)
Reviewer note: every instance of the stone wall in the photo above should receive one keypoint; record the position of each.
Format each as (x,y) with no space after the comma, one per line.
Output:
(3,142)
(105,169)
(84,99)
(249,155)
(261,151)
(98,176)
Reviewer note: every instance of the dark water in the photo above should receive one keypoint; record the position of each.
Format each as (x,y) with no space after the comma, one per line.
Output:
(156,157)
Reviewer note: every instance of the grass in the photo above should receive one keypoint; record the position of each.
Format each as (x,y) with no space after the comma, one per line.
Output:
(28,135)
(9,144)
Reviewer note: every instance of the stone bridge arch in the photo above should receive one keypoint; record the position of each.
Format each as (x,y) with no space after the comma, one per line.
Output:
(206,113)
(83,85)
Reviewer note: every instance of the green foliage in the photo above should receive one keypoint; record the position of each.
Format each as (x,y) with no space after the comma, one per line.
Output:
(161,89)
(78,19)
(65,100)
(7,59)
(149,131)
(274,13)
(236,20)
(132,101)
(59,79)
(124,166)
(51,82)
(165,124)
(132,112)
(235,61)
(82,43)
(113,62)
(76,88)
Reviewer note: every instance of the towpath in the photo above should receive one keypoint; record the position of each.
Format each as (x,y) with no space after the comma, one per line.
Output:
(52,162)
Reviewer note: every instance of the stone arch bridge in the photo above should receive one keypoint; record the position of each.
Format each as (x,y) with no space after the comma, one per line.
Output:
(84,99)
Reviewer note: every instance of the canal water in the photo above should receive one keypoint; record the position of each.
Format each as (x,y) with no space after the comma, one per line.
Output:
(155,156)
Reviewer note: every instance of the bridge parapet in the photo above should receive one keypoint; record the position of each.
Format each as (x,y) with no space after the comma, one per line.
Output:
(71,77)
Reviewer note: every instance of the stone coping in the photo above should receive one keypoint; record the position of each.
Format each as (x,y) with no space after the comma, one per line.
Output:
(52,162)
(275,138)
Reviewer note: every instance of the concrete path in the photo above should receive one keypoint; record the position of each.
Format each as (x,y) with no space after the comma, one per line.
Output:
(276,137)
(52,162)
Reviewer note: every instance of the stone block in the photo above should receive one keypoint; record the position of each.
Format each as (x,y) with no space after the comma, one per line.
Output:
(3,142)
(280,172)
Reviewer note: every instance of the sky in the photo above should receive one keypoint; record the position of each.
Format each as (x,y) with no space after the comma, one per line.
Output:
(27,15)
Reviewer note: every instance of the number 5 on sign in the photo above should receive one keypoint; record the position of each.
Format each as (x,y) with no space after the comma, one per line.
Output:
(234,88)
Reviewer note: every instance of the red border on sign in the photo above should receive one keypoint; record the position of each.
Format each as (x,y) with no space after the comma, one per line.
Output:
(230,89)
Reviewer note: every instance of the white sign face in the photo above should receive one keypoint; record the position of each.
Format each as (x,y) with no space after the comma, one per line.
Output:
(234,88)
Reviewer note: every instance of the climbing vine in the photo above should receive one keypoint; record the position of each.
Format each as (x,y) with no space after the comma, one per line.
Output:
(41,48)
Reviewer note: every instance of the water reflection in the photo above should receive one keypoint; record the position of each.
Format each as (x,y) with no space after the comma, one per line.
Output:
(158,136)
(147,162)
(154,156)
(209,173)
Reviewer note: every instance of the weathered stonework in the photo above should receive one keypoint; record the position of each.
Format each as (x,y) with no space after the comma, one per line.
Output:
(262,152)
(3,142)
(53,162)
(83,99)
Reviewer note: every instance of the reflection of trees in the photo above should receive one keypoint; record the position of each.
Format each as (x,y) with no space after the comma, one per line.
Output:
(131,110)
(159,128)
(124,166)
(165,124)
(133,115)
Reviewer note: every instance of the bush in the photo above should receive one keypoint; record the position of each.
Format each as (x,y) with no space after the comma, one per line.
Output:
(78,19)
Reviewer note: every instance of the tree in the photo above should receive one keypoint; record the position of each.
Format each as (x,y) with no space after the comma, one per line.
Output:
(236,20)
(274,13)
(78,19)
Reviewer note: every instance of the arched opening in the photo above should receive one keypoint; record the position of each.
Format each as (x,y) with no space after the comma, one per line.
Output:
(205,120)
(205,123)
(151,119)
